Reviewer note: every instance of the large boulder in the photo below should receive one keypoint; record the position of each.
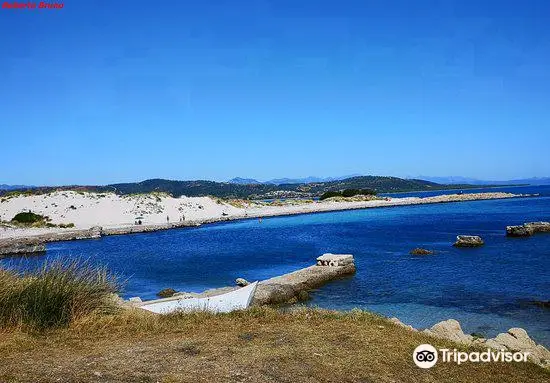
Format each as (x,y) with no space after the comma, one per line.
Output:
(517,339)
(518,231)
(539,227)
(449,329)
(528,229)
(468,241)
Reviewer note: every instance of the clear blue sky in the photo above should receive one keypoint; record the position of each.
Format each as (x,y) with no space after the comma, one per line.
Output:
(111,91)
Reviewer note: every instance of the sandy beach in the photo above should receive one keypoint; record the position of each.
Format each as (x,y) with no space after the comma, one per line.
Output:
(111,211)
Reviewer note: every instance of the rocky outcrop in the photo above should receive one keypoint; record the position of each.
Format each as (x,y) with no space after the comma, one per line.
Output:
(518,231)
(528,229)
(515,339)
(449,329)
(468,241)
(420,251)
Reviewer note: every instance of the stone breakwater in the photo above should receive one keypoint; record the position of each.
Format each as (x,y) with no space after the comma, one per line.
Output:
(30,242)
(36,243)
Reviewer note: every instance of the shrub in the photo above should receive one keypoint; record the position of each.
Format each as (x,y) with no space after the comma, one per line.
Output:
(354,192)
(28,218)
(330,194)
(55,295)
(347,193)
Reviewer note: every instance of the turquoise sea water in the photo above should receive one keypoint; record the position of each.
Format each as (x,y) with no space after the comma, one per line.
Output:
(487,289)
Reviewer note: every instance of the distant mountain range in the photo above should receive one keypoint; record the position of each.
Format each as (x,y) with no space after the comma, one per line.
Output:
(14,187)
(472,181)
(308,187)
(246,188)
(250,190)
(281,181)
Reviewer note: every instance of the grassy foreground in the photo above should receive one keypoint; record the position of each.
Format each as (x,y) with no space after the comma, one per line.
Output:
(61,324)
(258,345)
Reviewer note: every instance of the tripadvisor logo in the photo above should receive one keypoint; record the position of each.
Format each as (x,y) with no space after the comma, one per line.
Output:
(426,356)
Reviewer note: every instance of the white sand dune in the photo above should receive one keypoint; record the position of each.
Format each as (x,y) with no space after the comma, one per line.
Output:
(86,210)
(109,210)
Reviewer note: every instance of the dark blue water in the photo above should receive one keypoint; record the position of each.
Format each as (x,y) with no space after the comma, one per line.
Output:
(487,289)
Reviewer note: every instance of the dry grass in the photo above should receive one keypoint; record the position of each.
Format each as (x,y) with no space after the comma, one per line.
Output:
(259,345)
(55,295)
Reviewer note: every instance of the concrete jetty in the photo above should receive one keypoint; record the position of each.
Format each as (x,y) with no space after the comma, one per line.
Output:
(281,289)
(287,287)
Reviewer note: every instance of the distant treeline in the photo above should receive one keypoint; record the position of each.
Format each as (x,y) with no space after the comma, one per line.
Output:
(199,188)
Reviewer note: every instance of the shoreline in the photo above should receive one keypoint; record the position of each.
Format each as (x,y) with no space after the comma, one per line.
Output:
(25,240)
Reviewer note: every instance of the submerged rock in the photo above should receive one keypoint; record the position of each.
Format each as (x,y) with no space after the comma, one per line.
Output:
(468,241)
(420,251)
(166,293)
(543,304)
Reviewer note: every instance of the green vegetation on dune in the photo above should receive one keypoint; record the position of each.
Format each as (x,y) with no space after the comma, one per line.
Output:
(346,193)
(28,218)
